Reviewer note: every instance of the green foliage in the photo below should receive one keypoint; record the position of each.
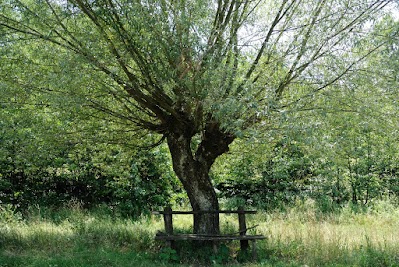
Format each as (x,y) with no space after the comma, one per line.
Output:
(84,82)
(169,255)
(268,181)
(84,176)
(222,256)
(9,214)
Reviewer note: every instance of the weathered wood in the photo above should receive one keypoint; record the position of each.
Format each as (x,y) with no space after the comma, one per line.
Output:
(215,247)
(198,237)
(168,222)
(243,229)
(241,235)
(205,212)
(254,252)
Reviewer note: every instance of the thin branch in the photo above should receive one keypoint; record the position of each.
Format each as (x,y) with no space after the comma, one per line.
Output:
(279,16)
(338,77)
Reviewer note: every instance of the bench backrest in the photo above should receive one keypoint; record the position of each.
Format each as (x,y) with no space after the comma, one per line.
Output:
(170,211)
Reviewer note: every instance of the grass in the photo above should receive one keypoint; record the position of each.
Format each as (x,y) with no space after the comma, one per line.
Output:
(305,236)
(300,236)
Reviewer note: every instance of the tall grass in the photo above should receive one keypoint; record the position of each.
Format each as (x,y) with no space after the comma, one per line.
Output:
(346,238)
(74,237)
(299,236)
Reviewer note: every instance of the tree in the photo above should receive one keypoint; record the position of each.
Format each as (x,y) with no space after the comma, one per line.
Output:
(197,73)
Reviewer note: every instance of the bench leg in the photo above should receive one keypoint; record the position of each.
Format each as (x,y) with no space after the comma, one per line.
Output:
(171,244)
(244,245)
(215,247)
(254,252)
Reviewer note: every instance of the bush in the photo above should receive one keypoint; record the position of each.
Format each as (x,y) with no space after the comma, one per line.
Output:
(144,186)
(269,182)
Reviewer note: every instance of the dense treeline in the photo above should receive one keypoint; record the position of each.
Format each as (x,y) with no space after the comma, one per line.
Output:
(133,181)
(292,172)
(41,164)
(144,186)
(333,158)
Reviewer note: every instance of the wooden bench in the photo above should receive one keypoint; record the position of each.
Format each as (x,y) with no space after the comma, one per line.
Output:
(170,237)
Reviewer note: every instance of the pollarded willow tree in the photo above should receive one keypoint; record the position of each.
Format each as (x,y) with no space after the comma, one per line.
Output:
(198,73)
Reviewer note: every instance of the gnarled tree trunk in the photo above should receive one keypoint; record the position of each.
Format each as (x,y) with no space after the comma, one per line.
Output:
(192,168)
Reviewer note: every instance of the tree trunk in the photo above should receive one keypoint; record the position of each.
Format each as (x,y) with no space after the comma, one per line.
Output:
(192,169)
(196,182)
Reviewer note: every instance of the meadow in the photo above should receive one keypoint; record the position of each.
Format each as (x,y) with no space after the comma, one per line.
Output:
(296,236)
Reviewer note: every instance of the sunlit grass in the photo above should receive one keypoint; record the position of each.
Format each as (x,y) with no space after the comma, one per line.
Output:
(296,237)
(348,238)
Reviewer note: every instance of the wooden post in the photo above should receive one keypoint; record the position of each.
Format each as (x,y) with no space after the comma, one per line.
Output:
(242,228)
(254,253)
(168,221)
(215,247)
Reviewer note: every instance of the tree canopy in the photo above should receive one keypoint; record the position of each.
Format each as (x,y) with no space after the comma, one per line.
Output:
(196,73)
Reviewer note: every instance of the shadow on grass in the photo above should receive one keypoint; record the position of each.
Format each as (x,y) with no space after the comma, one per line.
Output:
(87,257)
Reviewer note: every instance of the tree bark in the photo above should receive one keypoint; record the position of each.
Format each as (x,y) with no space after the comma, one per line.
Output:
(192,169)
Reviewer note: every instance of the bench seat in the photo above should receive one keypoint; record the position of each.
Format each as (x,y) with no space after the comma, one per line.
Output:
(176,237)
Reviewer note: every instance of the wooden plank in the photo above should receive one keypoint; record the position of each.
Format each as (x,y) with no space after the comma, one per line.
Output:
(208,238)
(205,212)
